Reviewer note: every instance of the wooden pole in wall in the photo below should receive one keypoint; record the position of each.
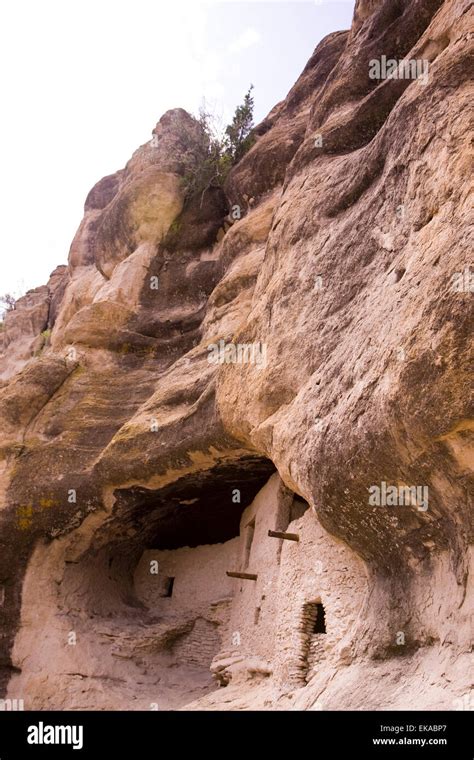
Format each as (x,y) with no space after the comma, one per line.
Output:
(280,534)
(243,576)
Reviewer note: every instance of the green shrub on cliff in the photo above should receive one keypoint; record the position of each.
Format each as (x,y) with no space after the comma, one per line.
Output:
(218,151)
(238,135)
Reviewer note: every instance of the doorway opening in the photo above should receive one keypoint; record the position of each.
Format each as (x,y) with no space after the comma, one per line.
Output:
(312,628)
(320,622)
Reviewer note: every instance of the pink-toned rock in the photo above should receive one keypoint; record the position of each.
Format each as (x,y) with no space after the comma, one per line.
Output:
(212,378)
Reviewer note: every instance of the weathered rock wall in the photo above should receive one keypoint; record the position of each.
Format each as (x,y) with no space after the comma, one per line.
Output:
(349,270)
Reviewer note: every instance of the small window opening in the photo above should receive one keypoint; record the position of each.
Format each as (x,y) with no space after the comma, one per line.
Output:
(167,587)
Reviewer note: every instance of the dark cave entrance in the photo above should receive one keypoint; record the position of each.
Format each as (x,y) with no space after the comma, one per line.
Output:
(158,563)
(200,509)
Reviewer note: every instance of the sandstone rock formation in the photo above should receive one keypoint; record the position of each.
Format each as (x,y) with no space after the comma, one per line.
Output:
(136,472)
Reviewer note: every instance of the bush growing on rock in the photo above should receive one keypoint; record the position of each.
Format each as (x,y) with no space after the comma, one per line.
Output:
(215,153)
(7,302)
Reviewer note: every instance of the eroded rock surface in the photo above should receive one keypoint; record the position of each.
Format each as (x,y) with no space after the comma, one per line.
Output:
(137,472)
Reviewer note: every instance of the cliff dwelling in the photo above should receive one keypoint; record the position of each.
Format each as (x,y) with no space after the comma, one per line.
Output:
(190,588)
(202,412)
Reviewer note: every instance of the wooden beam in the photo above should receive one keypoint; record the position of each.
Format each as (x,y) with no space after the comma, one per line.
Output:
(243,576)
(281,534)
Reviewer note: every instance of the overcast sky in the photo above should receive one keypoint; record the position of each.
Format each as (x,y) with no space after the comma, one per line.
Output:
(85,81)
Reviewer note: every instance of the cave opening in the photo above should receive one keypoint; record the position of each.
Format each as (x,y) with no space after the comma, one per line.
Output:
(198,509)
(157,568)
(201,511)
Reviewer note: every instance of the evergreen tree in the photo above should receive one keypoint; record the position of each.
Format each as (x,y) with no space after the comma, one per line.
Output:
(214,155)
(238,138)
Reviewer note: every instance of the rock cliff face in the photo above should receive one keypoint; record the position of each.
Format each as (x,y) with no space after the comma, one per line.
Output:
(288,354)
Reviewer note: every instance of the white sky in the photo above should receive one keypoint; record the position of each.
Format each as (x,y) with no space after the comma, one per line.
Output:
(85,81)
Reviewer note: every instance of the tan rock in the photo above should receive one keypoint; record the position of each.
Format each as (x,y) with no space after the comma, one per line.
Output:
(149,431)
